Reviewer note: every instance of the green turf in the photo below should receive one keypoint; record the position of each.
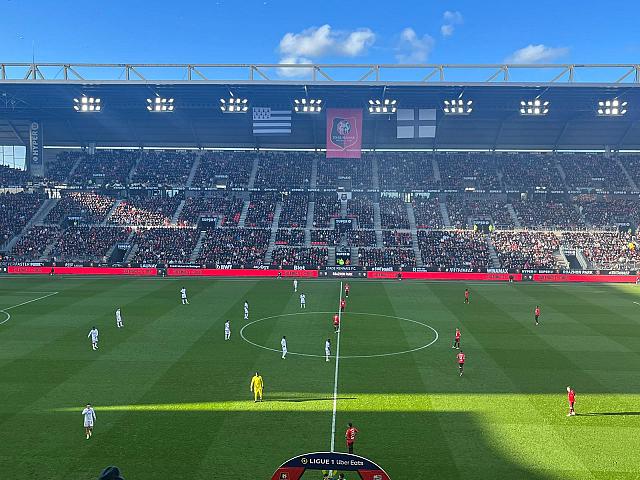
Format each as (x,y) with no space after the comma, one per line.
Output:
(172,398)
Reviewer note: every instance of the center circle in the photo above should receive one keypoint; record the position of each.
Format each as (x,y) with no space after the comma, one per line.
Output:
(374,355)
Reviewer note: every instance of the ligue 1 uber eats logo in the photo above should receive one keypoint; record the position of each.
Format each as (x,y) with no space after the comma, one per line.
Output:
(343,132)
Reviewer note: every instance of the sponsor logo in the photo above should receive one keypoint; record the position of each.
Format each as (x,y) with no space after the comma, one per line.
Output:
(343,132)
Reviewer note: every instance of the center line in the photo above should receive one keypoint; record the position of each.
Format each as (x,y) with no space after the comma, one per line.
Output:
(335,381)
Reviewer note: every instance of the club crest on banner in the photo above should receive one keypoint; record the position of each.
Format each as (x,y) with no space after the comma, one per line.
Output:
(344,133)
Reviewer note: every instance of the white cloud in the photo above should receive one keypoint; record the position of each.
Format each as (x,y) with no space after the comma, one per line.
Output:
(450,20)
(412,48)
(293,72)
(536,53)
(446,30)
(321,41)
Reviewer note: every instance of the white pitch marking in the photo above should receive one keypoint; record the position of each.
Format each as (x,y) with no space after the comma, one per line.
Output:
(335,380)
(4,310)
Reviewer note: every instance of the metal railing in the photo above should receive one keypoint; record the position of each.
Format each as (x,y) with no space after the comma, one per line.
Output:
(626,73)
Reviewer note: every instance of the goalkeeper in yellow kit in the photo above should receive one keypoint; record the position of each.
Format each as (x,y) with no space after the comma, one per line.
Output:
(257,385)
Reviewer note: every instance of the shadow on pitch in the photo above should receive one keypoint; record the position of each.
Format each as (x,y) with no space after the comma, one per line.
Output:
(598,414)
(302,400)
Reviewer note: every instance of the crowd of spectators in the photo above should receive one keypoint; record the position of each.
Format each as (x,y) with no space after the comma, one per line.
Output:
(393,238)
(605,250)
(235,246)
(427,212)
(16,209)
(290,236)
(91,207)
(284,170)
(294,210)
(230,169)
(88,243)
(405,170)
(361,208)
(552,214)
(468,170)
(393,213)
(164,245)
(362,238)
(33,244)
(147,212)
(608,211)
(529,171)
(313,257)
(105,167)
(226,208)
(463,210)
(386,257)
(631,163)
(164,168)
(347,172)
(262,208)
(326,208)
(453,249)
(325,237)
(58,169)
(593,171)
(526,249)
(13,177)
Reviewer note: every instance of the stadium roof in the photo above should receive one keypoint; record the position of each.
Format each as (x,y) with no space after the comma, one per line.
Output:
(572,121)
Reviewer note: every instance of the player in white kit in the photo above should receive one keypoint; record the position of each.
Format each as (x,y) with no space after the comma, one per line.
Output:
(93,335)
(283,344)
(183,295)
(246,310)
(295,286)
(89,417)
(119,323)
(327,349)
(227,330)
(303,301)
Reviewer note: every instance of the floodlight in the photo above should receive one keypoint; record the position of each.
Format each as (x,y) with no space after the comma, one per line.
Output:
(457,106)
(612,108)
(87,104)
(385,106)
(234,105)
(160,104)
(307,105)
(534,107)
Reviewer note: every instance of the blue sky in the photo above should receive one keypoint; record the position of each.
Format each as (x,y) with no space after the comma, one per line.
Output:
(272,31)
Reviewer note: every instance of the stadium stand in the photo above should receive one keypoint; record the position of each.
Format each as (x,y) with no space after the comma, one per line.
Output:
(453,249)
(90,207)
(361,208)
(362,238)
(560,213)
(284,170)
(462,171)
(316,256)
(463,211)
(164,245)
(294,210)
(163,168)
(327,207)
(105,167)
(393,213)
(427,212)
(226,208)
(354,173)
(88,243)
(235,246)
(290,236)
(13,177)
(526,249)
(58,169)
(605,250)
(33,243)
(152,211)
(262,208)
(386,257)
(16,209)
(405,170)
(230,169)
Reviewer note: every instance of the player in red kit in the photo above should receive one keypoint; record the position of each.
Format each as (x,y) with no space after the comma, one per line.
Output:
(456,341)
(571,396)
(336,323)
(536,314)
(460,356)
(466,295)
(346,290)
(343,303)
(350,436)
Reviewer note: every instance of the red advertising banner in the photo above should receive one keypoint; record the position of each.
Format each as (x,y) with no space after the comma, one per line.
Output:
(238,272)
(574,277)
(496,277)
(344,132)
(138,272)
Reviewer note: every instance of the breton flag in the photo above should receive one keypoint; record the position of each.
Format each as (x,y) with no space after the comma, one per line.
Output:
(416,122)
(271,122)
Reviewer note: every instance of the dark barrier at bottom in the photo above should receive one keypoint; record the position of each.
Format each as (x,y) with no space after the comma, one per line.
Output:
(331,462)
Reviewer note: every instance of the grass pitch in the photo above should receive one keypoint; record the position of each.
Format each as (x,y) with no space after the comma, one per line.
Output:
(172,397)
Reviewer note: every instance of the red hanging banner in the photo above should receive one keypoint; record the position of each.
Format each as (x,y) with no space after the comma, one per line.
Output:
(344,133)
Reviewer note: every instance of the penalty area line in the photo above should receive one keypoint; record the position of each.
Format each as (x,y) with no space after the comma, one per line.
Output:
(4,310)
(335,380)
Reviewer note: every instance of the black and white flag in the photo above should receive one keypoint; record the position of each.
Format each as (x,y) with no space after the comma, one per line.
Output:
(271,122)
(416,122)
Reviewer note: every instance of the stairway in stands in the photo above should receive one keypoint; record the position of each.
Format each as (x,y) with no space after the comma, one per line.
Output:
(113,209)
(243,214)
(254,173)
(493,255)
(377,224)
(414,234)
(314,172)
(514,215)
(274,232)
(198,248)
(194,169)
(176,215)
(42,212)
(446,221)
(375,176)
